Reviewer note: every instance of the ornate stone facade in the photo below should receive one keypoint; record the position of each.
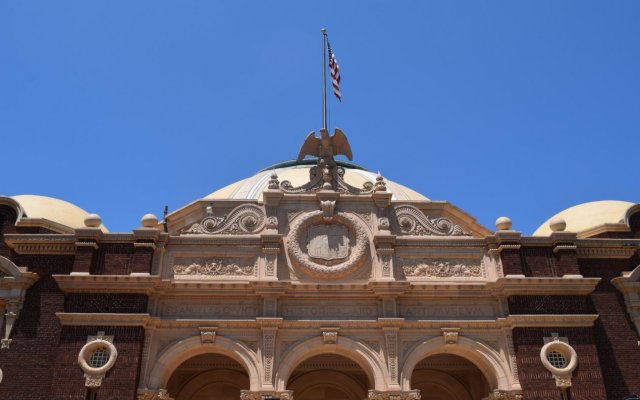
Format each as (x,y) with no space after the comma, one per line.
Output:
(319,286)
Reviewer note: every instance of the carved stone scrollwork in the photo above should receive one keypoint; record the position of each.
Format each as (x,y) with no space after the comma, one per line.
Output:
(242,220)
(383,224)
(216,267)
(328,207)
(260,395)
(207,335)
(394,395)
(442,269)
(412,221)
(497,394)
(161,394)
(330,337)
(450,335)
(328,251)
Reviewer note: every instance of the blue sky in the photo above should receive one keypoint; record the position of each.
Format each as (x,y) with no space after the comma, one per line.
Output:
(517,108)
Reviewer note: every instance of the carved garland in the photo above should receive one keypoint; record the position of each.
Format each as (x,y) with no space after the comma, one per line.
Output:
(305,262)
(442,269)
(244,219)
(412,221)
(217,267)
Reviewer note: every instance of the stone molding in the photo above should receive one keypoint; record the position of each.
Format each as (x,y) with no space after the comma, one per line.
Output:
(629,285)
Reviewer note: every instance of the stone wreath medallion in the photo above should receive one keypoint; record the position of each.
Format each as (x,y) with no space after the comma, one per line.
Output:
(327,250)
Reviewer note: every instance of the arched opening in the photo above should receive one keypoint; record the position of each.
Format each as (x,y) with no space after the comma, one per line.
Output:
(208,376)
(329,377)
(449,377)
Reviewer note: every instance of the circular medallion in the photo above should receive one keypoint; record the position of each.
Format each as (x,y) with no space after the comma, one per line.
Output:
(327,250)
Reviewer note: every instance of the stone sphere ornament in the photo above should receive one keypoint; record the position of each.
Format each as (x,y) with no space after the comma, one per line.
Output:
(92,221)
(503,224)
(557,224)
(149,221)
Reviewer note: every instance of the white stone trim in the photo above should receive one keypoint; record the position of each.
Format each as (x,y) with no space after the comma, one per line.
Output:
(93,375)
(561,375)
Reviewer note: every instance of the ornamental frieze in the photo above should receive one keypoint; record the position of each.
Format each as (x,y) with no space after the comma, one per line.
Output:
(215,267)
(412,221)
(244,219)
(442,268)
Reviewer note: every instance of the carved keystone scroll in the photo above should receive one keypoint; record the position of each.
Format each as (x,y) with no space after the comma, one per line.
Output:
(412,221)
(208,335)
(242,220)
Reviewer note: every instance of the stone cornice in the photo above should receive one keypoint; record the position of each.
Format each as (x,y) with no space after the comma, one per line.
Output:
(41,243)
(521,285)
(512,321)
(607,248)
(103,319)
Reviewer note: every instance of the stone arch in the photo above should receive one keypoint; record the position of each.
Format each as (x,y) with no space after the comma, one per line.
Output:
(181,351)
(315,379)
(493,367)
(206,378)
(370,361)
(9,268)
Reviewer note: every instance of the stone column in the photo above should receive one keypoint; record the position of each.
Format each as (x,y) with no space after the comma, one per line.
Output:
(269,327)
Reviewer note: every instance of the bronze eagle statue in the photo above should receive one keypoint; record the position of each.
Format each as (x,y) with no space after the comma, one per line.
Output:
(325,146)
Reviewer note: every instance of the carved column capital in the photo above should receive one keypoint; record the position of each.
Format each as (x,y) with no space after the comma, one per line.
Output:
(394,395)
(261,394)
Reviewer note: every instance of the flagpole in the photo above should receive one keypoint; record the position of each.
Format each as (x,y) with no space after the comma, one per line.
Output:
(324,78)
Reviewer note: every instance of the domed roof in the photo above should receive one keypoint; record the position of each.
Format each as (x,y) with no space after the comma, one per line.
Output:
(52,209)
(298,174)
(586,217)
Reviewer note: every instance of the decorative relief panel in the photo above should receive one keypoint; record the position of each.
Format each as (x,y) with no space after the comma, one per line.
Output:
(244,219)
(189,268)
(412,221)
(436,268)
(327,250)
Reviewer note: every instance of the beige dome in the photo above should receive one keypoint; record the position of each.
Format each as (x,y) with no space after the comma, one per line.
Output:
(52,209)
(298,174)
(586,219)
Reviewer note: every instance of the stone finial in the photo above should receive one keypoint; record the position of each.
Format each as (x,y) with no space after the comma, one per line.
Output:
(503,224)
(92,221)
(380,185)
(149,221)
(557,224)
(274,184)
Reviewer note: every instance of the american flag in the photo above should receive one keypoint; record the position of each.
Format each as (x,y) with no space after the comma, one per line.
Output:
(335,72)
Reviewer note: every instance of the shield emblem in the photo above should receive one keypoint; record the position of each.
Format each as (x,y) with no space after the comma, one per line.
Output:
(328,242)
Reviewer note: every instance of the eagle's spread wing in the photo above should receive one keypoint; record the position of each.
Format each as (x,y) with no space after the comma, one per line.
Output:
(310,146)
(340,144)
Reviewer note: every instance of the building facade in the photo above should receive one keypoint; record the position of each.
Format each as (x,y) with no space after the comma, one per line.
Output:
(316,279)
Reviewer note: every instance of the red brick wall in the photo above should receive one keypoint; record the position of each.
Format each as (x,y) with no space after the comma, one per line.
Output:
(616,336)
(550,305)
(106,303)
(121,381)
(27,365)
(538,383)
(113,259)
